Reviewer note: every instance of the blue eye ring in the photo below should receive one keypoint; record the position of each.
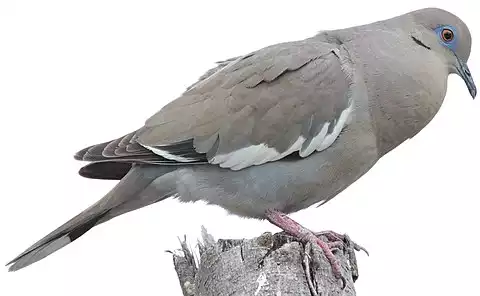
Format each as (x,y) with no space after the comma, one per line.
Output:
(447,36)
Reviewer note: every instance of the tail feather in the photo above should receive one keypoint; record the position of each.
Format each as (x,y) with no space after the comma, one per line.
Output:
(131,193)
(56,240)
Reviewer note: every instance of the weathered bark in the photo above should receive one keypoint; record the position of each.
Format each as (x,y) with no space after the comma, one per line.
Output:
(276,265)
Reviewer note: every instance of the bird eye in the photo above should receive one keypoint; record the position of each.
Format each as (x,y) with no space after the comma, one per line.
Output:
(447,35)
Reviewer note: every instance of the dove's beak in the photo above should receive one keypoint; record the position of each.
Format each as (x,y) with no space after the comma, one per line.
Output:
(464,72)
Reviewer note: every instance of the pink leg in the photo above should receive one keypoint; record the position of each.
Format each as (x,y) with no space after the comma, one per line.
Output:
(293,228)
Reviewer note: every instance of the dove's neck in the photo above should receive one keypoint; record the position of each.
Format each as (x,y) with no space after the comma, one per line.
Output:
(406,83)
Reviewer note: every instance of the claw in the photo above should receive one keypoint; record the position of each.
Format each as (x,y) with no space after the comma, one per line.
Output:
(359,248)
(344,282)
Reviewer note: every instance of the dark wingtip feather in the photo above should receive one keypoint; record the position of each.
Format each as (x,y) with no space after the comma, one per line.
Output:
(80,154)
(105,170)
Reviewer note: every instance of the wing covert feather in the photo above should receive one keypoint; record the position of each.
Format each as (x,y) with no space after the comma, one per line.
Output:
(260,107)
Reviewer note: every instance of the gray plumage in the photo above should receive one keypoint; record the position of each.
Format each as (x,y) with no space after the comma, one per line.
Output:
(283,127)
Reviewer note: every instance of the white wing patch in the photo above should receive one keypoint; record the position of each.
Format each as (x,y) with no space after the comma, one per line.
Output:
(261,153)
(322,140)
(253,155)
(316,141)
(167,155)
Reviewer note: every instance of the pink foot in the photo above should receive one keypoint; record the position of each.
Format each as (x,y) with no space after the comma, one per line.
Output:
(337,240)
(293,228)
(343,242)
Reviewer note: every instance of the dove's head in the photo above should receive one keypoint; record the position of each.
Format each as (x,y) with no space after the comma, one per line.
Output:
(448,36)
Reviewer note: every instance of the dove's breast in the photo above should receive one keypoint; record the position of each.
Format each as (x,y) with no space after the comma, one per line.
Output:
(407,84)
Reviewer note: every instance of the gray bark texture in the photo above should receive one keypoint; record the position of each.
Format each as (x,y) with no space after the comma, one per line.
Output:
(271,264)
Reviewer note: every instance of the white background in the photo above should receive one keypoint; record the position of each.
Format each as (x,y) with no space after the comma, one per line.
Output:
(74,73)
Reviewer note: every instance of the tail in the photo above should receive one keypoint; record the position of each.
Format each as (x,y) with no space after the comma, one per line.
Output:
(57,239)
(123,198)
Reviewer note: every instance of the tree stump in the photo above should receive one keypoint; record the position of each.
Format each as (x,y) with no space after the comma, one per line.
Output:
(271,264)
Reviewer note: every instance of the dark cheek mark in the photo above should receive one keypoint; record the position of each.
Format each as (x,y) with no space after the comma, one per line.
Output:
(420,43)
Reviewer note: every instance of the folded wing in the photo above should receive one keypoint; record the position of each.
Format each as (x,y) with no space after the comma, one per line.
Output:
(286,98)
(289,97)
